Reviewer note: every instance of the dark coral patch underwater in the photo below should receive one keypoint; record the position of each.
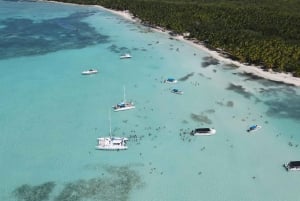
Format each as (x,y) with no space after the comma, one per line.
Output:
(209,61)
(27,192)
(117,185)
(284,108)
(239,89)
(201,118)
(114,48)
(186,77)
(25,37)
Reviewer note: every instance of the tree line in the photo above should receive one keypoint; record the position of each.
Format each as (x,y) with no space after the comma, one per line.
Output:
(260,32)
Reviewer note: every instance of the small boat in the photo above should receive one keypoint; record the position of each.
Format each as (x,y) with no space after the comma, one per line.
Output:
(177,91)
(254,128)
(89,72)
(111,143)
(125,56)
(124,105)
(203,131)
(292,165)
(170,80)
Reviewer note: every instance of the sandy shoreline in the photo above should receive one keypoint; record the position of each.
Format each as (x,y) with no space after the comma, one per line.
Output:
(274,76)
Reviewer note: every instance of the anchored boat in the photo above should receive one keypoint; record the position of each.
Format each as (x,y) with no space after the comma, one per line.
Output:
(124,105)
(254,128)
(292,165)
(203,131)
(89,72)
(111,143)
(170,80)
(177,91)
(125,56)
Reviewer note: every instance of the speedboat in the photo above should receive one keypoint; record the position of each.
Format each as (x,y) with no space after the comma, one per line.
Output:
(112,143)
(125,56)
(254,128)
(89,72)
(203,131)
(124,105)
(292,165)
(170,80)
(177,91)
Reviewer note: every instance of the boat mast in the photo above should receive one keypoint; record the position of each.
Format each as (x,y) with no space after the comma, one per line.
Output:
(109,118)
(124,98)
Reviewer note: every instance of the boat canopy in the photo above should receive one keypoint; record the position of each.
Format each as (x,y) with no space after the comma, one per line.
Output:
(121,104)
(294,164)
(202,129)
(171,79)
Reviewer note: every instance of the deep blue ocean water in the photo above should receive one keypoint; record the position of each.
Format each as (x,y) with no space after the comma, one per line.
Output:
(51,115)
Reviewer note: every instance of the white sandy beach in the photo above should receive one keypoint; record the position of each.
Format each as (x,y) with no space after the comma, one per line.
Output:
(279,77)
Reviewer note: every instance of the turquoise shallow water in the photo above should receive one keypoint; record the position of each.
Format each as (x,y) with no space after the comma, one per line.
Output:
(51,115)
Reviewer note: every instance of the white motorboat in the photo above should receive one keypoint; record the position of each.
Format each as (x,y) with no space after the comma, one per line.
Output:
(111,143)
(254,128)
(89,72)
(292,165)
(203,131)
(177,91)
(124,105)
(125,56)
(170,80)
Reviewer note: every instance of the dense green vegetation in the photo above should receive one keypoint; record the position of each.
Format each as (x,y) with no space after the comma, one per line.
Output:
(261,32)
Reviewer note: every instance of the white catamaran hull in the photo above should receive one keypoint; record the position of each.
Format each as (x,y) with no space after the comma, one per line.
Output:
(112,143)
(112,148)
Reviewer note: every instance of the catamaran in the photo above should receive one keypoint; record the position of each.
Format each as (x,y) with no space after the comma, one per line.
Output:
(111,143)
(124,105)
